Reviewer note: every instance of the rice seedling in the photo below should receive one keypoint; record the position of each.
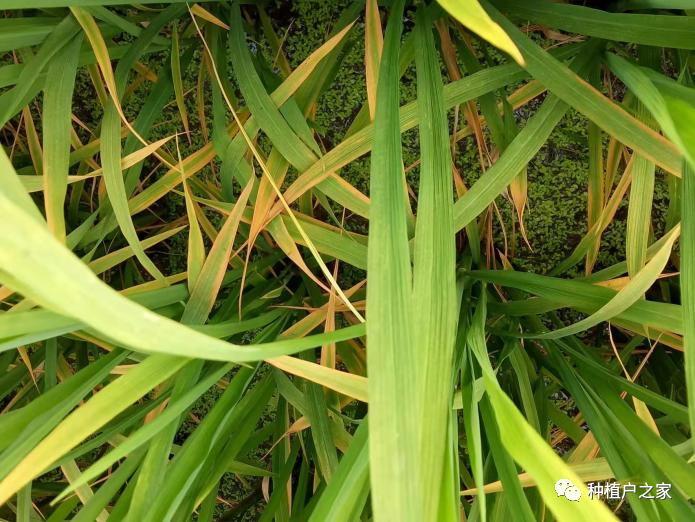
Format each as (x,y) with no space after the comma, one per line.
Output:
(203,318)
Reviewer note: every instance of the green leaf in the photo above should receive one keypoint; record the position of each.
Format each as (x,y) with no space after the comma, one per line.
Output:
(176,78)
(582,296)
(659,30)
(434,272)
(673,113)
(393,432)
(688,286)
(115,188)
(24,32)
(28,82)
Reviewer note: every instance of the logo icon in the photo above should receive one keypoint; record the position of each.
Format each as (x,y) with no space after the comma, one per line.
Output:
(573,493)
(565,488)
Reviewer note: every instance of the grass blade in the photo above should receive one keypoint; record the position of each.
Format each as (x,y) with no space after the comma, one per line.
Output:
(57,103)
(393,437)
(434,274)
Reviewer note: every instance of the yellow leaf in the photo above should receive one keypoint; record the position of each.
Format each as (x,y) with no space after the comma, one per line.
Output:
(206,15)
(354,386)
(471,14)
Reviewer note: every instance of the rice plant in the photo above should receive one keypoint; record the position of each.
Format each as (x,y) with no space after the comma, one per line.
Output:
(203,318)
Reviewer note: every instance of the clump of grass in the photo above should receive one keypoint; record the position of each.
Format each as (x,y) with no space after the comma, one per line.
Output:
(210,311)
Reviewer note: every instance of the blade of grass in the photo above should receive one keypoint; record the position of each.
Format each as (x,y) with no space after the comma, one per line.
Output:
(688,285)
(595,189)
(113,177)
(176,77)
(21,32)
(659,30)
(393,436)
(57,110)
(434,285)
(29,82)
(585,297)
(354,386)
